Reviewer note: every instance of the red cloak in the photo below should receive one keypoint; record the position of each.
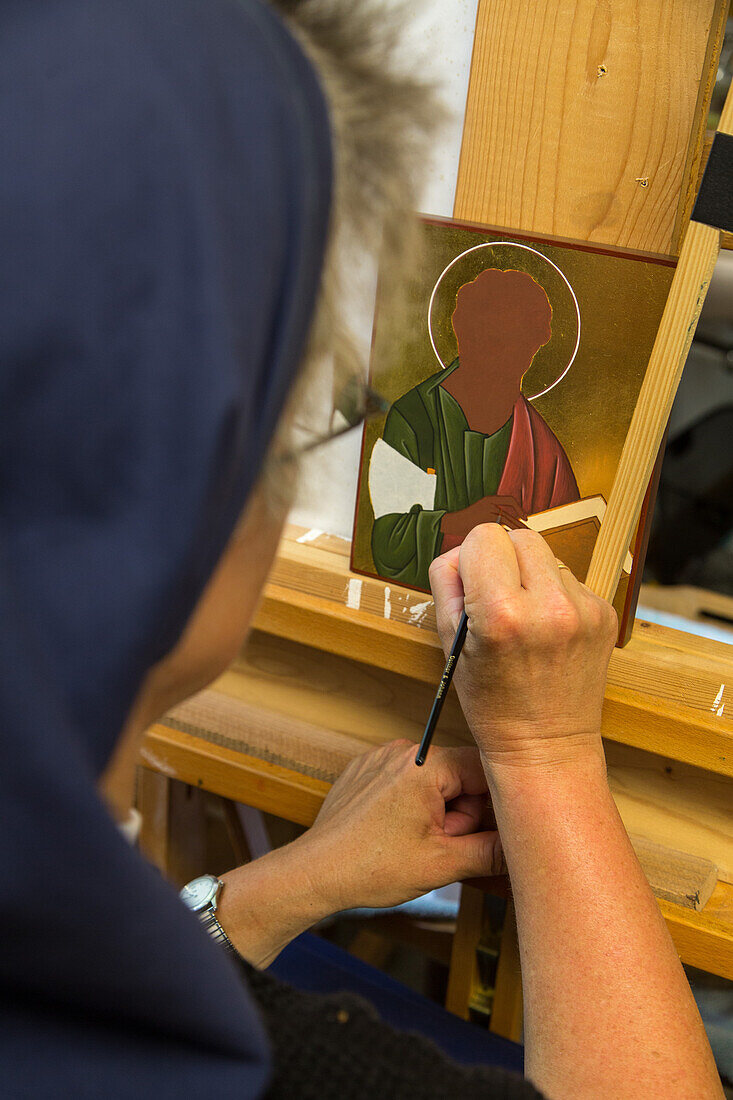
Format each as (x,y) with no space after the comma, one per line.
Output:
(537,472)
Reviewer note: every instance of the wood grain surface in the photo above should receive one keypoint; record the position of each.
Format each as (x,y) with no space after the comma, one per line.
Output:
(586,119)
(676,876)
(703,939)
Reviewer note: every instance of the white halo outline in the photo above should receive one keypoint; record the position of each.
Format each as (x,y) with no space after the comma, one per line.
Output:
(528,248)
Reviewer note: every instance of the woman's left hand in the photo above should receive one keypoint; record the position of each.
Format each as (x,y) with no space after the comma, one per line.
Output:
(387,832)
(390,831)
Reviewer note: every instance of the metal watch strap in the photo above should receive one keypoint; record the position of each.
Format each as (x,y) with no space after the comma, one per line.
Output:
(215,930)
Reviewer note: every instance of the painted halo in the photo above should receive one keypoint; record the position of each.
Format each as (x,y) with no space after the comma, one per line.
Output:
(554,271)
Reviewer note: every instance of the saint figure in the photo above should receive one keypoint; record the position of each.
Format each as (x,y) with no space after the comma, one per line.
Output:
(473,442)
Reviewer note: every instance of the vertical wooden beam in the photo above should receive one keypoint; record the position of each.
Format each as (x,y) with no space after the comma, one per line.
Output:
(235,831)
(153,802)
(586,119)
(648,424)
(187,839)
(506,1009)
(462,974)
(173,825)
(699,254)
(698,139)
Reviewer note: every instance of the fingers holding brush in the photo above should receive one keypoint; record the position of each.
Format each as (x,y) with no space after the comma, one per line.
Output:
(532,674)
(447,589)
(486,557)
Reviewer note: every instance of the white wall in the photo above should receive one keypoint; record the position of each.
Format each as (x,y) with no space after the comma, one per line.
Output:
(438,42)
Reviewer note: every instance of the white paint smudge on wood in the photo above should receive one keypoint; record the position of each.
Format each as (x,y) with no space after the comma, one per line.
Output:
(353,593)
(387,602)
(309,536)
(418,611)
(718,698)
(155,762)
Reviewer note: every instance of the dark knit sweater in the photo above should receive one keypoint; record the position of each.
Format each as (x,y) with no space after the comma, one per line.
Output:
(335,1046)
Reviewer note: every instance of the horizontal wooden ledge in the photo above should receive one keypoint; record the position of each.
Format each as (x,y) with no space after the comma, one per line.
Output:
(233,774)
(668,692)
(704,939)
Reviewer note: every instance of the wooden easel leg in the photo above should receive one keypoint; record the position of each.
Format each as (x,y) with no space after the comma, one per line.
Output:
(371,948)
(506,1010)
(462,974)
(187,833)
(235,831)
(173,826)
(153,802)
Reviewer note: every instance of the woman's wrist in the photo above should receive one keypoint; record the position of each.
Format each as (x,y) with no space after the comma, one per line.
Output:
(544,758)
(267,903)
(540,806)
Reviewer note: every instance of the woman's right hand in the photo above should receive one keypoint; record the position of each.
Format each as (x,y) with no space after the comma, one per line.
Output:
(532,675)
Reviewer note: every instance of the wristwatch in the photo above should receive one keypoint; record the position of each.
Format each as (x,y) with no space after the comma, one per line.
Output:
(201,895)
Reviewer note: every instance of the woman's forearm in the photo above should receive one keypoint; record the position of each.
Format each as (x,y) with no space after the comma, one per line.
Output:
(607,1009)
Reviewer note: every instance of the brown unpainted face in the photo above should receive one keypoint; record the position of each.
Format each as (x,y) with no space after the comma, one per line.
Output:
(501,320)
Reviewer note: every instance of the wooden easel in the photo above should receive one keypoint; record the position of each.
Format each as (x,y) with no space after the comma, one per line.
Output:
(594,153)
(583,120)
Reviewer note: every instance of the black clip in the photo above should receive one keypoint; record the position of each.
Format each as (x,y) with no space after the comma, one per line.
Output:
(714,203)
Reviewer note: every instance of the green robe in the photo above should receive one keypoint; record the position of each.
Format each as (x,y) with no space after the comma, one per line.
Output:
(428,426)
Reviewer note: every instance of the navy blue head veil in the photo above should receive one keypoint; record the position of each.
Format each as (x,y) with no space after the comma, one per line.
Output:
(164,189)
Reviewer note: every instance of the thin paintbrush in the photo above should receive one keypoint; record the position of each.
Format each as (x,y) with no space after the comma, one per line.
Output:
(442,691)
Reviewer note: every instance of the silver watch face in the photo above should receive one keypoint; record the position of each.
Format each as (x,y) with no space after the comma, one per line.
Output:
(200,892)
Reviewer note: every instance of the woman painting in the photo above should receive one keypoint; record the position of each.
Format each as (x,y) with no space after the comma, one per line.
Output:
(166,183)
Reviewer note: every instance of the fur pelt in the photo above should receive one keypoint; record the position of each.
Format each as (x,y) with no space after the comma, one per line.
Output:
(382,120)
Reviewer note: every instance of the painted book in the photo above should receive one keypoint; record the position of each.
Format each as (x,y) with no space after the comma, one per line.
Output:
(510,375)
